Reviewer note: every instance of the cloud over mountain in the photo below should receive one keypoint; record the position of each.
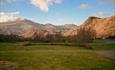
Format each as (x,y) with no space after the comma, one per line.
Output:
(4,16)
(101,14)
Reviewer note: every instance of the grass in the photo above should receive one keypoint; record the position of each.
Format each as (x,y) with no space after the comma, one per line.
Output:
(103,46)
(55,57)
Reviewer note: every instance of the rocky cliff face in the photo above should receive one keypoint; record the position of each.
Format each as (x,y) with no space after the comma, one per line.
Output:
(104,27)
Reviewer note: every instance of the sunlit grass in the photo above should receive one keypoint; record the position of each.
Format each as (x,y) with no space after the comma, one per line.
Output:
(53,57)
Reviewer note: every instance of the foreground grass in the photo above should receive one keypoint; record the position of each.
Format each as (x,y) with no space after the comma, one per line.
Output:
(103,45)
(53,57)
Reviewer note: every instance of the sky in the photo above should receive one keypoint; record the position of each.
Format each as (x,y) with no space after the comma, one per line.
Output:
(58,12)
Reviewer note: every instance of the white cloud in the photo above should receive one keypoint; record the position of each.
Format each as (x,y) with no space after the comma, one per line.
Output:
(44,4)
(15,13)
(100,14)
(4,17)
(84,6)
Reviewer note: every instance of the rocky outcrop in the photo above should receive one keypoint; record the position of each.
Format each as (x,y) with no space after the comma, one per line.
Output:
(104,27)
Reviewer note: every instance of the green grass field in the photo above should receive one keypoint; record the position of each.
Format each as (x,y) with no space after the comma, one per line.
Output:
(56,57)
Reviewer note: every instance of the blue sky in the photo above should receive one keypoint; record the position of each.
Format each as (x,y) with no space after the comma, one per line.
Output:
(59,12)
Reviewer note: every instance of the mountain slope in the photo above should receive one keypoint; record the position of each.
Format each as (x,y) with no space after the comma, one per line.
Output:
(104,27)
(17,27)
(28,28)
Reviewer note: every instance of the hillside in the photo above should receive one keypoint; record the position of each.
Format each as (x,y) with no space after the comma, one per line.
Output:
(28,28)
(104,27)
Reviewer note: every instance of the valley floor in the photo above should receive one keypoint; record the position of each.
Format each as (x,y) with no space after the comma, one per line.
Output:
(56,57)
(109,54)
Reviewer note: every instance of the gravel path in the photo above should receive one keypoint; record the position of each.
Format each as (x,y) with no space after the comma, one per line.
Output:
(110,54)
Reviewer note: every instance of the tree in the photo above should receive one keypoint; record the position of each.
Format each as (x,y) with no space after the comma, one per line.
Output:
(9,38)
(84,35)
(58,37)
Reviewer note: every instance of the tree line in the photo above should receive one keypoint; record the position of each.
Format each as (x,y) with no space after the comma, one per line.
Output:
(84,35)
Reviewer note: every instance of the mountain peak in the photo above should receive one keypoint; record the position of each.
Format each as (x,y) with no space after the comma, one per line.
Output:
(93,17)
(90,20)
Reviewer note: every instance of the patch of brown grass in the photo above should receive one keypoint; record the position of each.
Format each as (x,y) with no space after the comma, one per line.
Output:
(6,65)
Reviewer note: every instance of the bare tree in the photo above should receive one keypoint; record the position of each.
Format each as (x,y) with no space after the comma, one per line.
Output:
(84,35)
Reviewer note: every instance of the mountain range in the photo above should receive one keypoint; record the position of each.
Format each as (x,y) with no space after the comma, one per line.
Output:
(104,27)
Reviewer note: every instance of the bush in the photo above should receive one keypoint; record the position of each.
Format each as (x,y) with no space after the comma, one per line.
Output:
(27,43)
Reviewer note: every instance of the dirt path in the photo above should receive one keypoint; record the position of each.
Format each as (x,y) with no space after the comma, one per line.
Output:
(110,54)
